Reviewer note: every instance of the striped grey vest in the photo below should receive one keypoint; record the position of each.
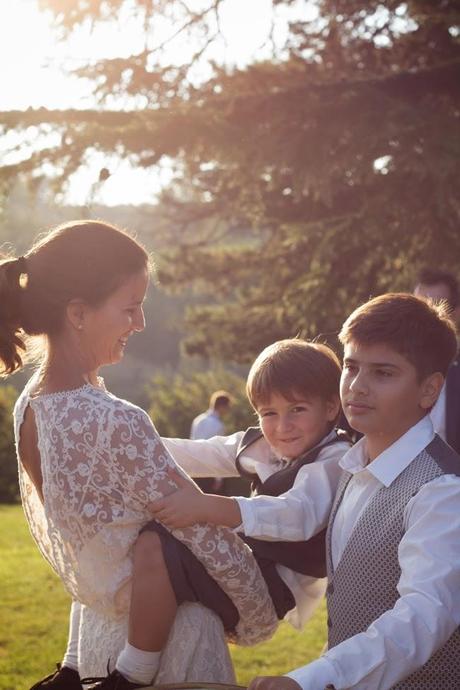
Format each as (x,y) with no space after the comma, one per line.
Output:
(364,584)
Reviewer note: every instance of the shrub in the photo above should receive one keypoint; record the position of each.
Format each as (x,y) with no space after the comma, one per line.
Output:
(9,488)
(176,400)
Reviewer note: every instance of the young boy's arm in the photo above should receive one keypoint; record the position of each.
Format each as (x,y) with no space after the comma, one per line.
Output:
(189,505)
(302,511)
(214,457)
(296,515)
(423,618)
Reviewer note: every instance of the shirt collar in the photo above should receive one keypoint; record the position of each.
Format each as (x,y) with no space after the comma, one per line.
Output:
(387,466)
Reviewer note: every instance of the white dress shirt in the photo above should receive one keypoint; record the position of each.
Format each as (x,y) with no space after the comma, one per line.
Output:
(438,414)
(428,609)
(294,516)
(207,425)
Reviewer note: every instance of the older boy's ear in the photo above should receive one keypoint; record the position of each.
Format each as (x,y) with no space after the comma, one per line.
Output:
(431,388)
(333,408)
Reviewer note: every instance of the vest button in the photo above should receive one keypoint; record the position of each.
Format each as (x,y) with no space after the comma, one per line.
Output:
(329,623)
(330,588)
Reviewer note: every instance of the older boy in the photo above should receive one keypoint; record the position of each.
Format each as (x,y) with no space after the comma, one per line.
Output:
(394,531)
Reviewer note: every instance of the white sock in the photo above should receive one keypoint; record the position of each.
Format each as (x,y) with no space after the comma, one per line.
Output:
(136,665)
(71,655)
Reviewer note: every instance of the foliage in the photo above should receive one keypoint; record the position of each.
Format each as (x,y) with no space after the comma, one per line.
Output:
(337,152)
(9,488)
(35,611)
(177,399)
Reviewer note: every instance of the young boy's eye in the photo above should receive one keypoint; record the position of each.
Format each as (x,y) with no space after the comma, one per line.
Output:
(299,408)
(267,413)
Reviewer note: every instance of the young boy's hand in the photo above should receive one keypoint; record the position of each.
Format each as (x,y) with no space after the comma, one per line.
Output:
(188,505)
(274,683)
(184,507)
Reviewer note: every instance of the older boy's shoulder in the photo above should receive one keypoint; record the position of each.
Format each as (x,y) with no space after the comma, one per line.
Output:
(445,457)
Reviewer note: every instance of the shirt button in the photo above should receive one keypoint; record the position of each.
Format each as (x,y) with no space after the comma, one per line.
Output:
(330,588)
(329,623)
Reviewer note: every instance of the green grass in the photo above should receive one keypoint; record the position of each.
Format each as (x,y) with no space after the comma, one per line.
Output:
(34,609)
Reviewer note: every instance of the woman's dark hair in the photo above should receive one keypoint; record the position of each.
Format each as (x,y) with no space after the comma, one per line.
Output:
(85,260)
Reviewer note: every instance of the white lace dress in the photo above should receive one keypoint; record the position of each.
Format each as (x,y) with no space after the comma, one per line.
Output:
(102,462)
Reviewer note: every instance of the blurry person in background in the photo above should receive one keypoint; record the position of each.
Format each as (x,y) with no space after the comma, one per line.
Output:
(442,286)
(209,424)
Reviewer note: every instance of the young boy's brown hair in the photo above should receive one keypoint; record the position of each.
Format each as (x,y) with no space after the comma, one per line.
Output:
(414,327)
(294,366)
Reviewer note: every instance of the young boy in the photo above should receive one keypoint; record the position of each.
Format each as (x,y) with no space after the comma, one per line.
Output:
(393,539)
(294,387)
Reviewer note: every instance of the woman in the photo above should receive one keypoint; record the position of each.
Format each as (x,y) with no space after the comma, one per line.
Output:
(89,463)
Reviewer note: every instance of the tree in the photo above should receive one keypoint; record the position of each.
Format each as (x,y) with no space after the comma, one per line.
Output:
(307,181)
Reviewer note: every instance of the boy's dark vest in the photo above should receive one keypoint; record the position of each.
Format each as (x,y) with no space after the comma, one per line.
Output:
(306,557)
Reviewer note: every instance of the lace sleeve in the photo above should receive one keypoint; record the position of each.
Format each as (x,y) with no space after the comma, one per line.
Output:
(140,462)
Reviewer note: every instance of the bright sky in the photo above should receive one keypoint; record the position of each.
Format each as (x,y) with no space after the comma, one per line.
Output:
(33,75)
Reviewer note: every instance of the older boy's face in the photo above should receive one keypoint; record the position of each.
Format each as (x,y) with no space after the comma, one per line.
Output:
(292,427)
(381,394)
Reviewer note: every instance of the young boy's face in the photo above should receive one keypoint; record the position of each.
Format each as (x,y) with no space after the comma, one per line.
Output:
(381,394)
(292,427)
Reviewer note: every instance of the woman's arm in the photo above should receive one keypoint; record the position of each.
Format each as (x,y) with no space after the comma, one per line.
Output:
(143,467)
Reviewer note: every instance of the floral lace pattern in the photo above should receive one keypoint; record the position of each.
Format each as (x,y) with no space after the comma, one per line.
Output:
(195,650)
(102,462)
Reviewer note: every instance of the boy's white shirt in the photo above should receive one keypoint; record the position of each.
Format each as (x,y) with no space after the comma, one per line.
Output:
(428,610)
(297,515)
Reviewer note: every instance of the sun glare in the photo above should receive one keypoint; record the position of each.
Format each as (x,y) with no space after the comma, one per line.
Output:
(37,68)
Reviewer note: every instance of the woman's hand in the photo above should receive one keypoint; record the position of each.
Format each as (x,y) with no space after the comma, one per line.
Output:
(273,683)
(185,506)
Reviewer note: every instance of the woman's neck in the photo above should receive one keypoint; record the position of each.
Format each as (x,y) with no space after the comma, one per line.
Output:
(63,369)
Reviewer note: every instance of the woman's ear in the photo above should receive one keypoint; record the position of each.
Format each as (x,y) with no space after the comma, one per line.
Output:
(333,408)
(430,390)
(75,312)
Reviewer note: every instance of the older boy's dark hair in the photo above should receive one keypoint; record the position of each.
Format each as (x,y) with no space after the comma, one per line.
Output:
(294,367)
(434,276)
(413,326)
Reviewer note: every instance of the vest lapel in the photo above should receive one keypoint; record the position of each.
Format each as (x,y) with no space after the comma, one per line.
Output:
(343,483)
(453,406)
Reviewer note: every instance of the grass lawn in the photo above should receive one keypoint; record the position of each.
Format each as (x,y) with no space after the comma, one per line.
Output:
(34,608)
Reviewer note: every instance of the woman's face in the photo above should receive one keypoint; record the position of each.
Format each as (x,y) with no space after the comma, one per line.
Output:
(106,329)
